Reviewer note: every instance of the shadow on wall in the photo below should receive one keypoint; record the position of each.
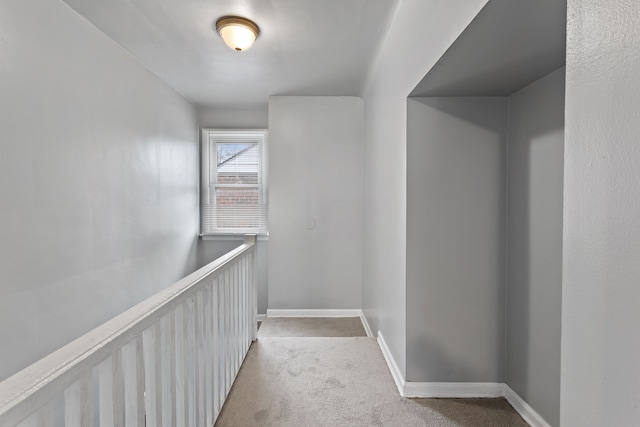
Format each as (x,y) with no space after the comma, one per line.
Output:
(534,290)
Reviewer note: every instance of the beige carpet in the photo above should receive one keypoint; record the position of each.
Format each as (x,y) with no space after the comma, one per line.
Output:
(312,327)
(320,381)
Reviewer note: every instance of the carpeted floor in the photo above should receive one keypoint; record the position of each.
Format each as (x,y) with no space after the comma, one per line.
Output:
(337,381)
(312,327)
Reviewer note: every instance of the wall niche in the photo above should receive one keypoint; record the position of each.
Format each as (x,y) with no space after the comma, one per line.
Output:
(485,147)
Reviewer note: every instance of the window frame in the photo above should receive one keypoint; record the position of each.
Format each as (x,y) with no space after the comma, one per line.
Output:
(209,174)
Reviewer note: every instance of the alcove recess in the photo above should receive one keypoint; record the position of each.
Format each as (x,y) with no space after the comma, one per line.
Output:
(485,135)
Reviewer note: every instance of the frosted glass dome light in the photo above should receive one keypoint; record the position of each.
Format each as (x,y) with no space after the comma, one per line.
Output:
(238,33)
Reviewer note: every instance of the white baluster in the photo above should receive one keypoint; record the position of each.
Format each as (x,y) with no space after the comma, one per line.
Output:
(243,307)
(199,360)
(167,369)
(133,369)
(190,365)
(243,313)
(223,348)
(247,313)
(77,403)
(151,375)
(234,320)
(207,356)
(215,343)
(238,315)
(225,332)
(111,406)
(254,295)
(180,391)
(228,359)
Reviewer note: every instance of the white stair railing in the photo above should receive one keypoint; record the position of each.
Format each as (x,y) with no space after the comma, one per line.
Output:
(169,361)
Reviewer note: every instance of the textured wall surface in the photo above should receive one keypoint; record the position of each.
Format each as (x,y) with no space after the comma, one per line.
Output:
(315,202)
(601,268)
(98,180)
(534,281)
(456,222)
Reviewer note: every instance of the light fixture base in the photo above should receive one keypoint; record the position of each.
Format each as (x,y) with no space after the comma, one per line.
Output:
(237,32)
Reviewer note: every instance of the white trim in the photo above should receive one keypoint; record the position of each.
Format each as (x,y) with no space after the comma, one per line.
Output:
(365,324)
(232,237)
(209,170)
(467,390)
(526,412)
(452,390)
(260,317)
(391,363)
(458,390)
(313,313)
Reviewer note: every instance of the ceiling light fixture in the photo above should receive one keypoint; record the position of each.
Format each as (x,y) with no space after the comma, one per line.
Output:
(238,33)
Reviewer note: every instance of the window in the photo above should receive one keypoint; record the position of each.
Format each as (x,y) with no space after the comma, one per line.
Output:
(234,185)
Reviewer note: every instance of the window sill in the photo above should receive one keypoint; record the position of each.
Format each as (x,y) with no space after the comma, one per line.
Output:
(232,237)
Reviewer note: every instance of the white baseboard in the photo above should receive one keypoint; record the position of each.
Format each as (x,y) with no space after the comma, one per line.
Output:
(260,317)
(391,363)
(365,324)
(313,313)
(466,390)
(526,412)
(458,390)
(452,390)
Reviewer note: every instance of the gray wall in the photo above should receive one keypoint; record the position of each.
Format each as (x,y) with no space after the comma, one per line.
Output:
(234,118)
(209,250)
(315,202)
(534,290)
(601,245)
(98,181)
(456,230)
(418,35)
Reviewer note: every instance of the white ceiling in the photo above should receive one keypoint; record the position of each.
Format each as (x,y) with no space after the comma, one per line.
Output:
(306,47)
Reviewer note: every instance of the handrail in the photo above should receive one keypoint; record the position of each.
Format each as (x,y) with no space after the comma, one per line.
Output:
(52,374)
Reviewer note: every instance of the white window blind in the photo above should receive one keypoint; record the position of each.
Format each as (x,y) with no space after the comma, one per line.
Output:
(234,184)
